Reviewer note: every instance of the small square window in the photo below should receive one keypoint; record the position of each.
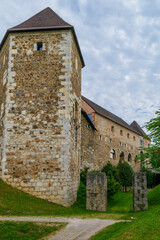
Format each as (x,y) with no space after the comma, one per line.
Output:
(39,46)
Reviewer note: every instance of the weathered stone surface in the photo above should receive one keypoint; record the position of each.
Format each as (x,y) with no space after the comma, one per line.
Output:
(40,137)
(140,200)
(96,191)
(97,146)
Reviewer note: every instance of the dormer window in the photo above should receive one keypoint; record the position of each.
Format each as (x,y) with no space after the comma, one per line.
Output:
(39,46)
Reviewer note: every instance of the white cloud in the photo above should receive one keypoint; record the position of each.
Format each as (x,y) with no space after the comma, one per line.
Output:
(120,43)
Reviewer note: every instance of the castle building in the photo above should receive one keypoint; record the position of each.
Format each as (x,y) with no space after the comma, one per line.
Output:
(108,138)
(40,113)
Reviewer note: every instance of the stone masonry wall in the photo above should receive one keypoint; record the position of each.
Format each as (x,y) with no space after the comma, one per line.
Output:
(94,152)
(4,60)
(97,145)
(96,192)
(38,128)
(75,119)
(140,200)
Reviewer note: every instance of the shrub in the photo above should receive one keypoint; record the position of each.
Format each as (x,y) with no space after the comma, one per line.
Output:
(109,169)
(83,175)
(149,175)
(113,184)
(81,194)
(125,174)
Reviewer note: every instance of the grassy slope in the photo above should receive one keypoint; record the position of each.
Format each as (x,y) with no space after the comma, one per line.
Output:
(14,202)
(146,226)
(27,230)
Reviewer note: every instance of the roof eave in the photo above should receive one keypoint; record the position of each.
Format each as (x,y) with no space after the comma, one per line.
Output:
(118,123)
(16,30)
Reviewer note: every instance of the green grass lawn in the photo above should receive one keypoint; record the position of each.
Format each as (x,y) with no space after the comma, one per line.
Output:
(27,230)
(146,226)
(14,202)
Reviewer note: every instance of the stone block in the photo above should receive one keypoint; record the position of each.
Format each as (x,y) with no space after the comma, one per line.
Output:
(140,200)
(96,192)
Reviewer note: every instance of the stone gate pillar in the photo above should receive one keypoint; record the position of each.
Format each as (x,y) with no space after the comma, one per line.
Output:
(96,192)
(140,200)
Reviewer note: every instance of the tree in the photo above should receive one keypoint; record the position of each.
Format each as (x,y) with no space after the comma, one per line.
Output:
(151,153)
(125,174)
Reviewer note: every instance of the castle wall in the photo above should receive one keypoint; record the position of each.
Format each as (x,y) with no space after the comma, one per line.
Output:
(97,145)
(75,117)
(94,152)
(4,61)
(39,135)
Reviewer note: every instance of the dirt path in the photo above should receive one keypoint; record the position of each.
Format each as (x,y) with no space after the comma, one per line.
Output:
(77,229)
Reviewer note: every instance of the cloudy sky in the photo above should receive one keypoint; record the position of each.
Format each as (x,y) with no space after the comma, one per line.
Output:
(120,43)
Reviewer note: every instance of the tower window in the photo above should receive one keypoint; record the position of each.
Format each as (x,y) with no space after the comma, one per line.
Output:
(134,138)
(127,135)
(121,132)
(39,46)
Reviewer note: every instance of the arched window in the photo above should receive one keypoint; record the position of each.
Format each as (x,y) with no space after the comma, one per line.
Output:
(121,132)
(112,128)
(129,157)
(113,154)
(122,156)
(127,135)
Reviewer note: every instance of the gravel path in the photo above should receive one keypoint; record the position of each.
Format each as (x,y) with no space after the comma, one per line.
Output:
(77,229)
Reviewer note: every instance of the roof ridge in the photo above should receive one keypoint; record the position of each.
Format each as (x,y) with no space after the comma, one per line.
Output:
(102,111)
(44,20)
(45,14)
(137,127)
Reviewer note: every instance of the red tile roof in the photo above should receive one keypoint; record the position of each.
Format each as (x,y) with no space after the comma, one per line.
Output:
(45,20)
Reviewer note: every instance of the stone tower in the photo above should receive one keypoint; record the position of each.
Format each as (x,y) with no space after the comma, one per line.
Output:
(40,108)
